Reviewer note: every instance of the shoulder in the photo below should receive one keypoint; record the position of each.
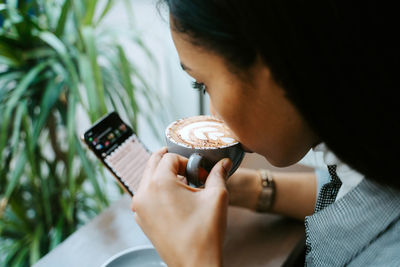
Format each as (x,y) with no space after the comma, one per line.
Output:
(363,227)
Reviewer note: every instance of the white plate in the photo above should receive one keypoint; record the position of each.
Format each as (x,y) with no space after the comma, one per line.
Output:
(141,256)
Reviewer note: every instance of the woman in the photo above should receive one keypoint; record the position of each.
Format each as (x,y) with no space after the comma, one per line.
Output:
(287,77)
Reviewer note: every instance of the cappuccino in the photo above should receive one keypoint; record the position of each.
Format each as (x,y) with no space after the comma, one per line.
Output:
(201,132)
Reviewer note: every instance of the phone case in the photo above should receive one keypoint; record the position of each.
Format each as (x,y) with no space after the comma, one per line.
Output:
(119,149)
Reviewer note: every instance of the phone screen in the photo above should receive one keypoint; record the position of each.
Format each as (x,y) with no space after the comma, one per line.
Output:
(117,146)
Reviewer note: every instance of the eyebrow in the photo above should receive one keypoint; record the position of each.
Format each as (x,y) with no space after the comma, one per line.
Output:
(185,68)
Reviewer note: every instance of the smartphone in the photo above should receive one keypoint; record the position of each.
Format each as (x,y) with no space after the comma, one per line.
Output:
(116,145)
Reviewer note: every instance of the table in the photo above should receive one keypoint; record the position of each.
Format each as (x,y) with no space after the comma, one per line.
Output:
(251,239)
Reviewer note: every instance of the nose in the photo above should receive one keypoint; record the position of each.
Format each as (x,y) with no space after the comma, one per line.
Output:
(215,114)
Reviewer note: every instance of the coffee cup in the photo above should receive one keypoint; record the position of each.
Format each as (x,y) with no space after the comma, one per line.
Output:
(204,140)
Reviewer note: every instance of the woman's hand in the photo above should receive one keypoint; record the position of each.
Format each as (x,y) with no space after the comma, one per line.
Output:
(186,225)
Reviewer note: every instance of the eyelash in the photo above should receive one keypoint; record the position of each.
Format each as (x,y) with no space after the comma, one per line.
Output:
(199,86)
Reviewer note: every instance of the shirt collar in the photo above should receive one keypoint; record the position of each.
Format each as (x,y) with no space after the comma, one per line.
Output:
(328,156)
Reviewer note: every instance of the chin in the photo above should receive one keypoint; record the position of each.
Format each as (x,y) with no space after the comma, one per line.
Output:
(282,162)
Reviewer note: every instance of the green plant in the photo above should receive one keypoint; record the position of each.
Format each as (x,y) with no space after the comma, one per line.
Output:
(55,57)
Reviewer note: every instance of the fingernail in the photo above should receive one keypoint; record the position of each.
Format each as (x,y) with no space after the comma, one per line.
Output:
(227,165)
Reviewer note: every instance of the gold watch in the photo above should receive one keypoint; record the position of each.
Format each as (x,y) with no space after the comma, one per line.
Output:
(267,194)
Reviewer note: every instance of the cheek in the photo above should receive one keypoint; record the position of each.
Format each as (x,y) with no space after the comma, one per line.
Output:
(266,128)
(232,108)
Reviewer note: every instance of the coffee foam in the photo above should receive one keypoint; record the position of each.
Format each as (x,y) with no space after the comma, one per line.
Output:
(201,132)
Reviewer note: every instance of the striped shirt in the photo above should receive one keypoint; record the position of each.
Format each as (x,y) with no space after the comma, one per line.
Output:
(361,228)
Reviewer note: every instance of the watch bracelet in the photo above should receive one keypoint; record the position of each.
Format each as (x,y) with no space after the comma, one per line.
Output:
(267,194)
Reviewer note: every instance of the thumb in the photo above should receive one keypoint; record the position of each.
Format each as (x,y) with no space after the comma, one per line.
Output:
(219,173)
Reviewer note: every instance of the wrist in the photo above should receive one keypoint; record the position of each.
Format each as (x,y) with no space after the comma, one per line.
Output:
(209,262)
(244,188)
(207,257)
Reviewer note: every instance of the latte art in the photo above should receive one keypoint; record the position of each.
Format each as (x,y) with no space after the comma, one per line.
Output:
(205,131)
(201,131)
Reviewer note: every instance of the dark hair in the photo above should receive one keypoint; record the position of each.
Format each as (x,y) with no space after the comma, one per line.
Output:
(338,62)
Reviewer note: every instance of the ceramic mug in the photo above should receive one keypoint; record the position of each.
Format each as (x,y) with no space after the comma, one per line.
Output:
(202,159)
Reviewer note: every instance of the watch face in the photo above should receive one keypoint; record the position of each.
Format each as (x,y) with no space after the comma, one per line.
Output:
(267,194)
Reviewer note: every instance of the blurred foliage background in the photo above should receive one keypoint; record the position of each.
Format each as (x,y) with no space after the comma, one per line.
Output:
(55,59)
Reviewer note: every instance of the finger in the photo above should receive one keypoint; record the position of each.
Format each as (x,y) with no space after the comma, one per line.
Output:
(133,206)
(173,163)
(182,179)
(219,173)
(155,158)
(152,164)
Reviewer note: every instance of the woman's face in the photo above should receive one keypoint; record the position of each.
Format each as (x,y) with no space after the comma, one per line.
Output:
(251,104)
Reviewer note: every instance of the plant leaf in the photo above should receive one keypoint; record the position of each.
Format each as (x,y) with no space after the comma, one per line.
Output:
(9,60)
(49,99)
(21,259)
(89,38)
(34,254)
(35,170)
(12,8)
(90,86)
(92,176)
(57,233)
(107,8)
(15,97)
(90,10)
(127,83)
(12,251)
(21,109)
(63,18)
(71,152)
(62,51)
(38,53)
